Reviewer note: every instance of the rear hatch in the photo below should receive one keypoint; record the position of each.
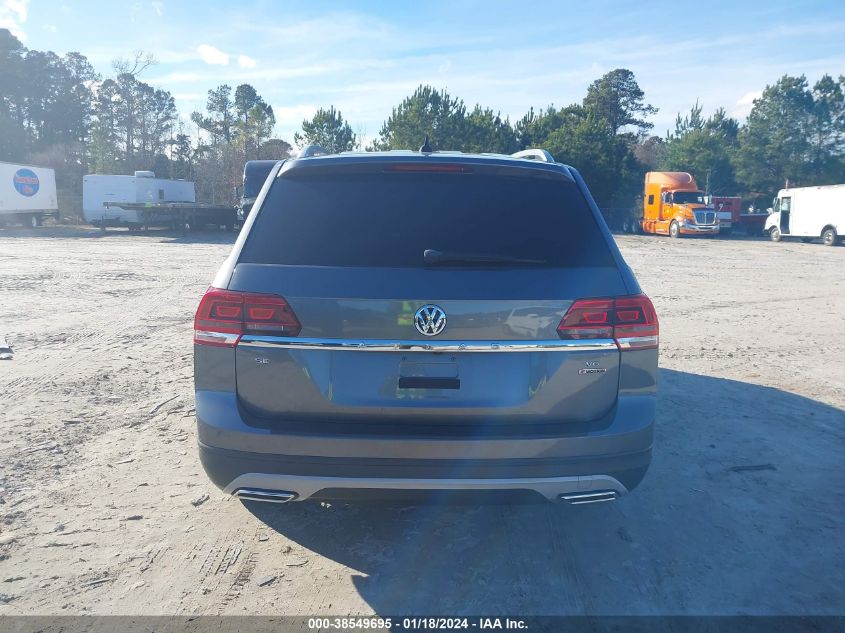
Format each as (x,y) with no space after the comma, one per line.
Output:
(356,250)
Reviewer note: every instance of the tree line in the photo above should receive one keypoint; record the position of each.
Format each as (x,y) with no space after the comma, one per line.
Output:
(57,111)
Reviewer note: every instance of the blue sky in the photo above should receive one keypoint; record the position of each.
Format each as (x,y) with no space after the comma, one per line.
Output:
(364,57)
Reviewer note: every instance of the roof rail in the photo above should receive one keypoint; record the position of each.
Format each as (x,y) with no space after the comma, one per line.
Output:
(312,150)
(535,154)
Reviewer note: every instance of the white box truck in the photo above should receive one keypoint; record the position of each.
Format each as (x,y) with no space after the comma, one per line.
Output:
(809,213)
(27,194)
(142,188)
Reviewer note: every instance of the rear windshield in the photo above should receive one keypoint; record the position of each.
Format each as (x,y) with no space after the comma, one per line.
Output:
(390,219)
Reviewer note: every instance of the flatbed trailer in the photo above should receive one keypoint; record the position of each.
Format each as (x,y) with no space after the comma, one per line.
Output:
(185,216)
(753,223)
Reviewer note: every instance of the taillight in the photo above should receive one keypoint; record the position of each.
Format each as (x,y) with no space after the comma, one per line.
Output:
(588,318)
(630,321)
(223,316)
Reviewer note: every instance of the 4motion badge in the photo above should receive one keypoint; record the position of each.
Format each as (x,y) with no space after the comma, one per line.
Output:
(592,367)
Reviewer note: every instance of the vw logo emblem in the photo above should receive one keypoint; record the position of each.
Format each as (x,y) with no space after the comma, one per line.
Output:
(430,320)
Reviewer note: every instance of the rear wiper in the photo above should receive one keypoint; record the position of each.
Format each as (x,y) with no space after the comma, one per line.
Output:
(434,257)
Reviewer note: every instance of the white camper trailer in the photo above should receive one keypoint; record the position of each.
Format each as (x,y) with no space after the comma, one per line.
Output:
(27,194)
(102,195)
(809,213)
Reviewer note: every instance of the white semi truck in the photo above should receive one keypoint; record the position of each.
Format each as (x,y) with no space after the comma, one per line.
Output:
(809,213)
(102,196)
(27,194)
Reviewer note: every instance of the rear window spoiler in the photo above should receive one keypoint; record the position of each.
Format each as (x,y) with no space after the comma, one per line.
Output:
(486,164)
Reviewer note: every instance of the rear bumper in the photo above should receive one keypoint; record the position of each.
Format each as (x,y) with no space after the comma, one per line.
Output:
(236,456)
(307,477)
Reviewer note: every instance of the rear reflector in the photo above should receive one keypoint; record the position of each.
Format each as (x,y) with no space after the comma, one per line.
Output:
(630,321)
(223,316)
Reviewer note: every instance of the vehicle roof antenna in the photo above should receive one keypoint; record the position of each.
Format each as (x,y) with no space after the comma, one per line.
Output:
(426,146)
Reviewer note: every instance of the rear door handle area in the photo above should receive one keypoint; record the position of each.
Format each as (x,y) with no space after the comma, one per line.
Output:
(426,382)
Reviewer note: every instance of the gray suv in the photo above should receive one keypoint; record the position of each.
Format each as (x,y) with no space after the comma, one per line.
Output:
(425,323)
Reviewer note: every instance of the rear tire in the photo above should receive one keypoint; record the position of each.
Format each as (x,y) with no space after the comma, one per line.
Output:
(774,234)
(829,237)
(34,221)
(674,230)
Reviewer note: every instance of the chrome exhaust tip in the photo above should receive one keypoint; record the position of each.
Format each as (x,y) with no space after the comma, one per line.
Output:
(271,496)
(593,496)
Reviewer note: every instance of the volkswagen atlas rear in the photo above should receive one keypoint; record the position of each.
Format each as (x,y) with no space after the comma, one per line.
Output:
(427,324)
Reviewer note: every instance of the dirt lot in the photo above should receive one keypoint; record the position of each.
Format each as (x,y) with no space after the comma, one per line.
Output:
(104,508)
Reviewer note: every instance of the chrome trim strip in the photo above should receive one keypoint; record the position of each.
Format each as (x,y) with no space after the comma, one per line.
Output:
(383,345)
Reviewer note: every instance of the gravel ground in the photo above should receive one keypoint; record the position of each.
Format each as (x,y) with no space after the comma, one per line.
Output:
(104,508)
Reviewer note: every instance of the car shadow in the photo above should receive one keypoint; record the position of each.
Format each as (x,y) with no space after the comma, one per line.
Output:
(741,512)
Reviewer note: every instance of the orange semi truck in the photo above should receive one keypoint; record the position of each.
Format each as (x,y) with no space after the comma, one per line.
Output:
(674,206)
